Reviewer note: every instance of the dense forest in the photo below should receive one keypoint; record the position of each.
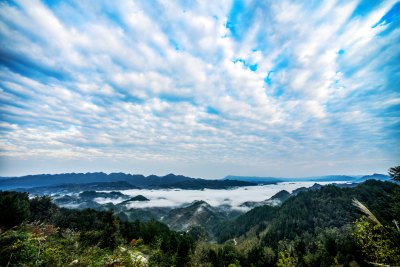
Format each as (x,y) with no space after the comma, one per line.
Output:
(327,227)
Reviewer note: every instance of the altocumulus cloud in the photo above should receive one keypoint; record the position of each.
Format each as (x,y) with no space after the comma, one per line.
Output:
(204,88)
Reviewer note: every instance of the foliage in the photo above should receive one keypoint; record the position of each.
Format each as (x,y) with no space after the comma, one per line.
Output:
(35,246)
(58,237)
(379,244)
(217,255)
(394,172)
(286,256)
(197,233)
(42,209)
(241,225)
(14,208)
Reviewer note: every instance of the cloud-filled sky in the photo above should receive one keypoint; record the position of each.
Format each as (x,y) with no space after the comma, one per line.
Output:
(200,88)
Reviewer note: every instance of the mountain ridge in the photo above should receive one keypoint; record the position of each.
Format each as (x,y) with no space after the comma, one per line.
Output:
(167,181)
(323,178)
(135,180)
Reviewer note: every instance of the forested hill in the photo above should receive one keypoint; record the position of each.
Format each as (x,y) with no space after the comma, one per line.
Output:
(329,206)
(319,227)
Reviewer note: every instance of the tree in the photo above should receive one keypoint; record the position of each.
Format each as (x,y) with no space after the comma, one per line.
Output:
(14,208)
(286,257)
(394,172)
(379,243)
(42,209)
(110,235)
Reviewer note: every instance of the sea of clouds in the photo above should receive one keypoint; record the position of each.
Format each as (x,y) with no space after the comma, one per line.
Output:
(215,197)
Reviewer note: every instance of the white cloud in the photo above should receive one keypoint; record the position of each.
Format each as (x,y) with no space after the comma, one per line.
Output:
(139,83)
(215,197)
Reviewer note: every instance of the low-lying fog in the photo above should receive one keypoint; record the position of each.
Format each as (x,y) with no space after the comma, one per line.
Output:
(215,197)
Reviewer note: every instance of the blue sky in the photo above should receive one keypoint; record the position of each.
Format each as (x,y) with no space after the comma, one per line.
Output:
(200,88)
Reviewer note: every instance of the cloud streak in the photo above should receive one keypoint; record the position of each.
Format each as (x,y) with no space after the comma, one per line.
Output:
(247,87)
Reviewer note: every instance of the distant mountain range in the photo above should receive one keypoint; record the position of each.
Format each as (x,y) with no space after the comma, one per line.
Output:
(120,181)
(255,179)
(103,181)
(326,178)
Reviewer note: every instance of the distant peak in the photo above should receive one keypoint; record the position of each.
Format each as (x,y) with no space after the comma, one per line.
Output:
(200,203)
(170,175)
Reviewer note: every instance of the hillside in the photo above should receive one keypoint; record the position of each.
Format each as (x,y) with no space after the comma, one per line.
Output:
(324,206)
(198,214)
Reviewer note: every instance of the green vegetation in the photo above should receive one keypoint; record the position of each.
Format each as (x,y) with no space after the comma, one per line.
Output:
(379,243)
(35,232)
(325,227)
(319,228)
(14,209)
(394,172)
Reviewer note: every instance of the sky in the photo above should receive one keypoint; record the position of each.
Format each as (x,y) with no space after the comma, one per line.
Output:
(200,88)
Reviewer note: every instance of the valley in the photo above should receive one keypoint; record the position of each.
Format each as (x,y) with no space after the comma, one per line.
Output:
(296,223)
(307,224)
(182,203)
